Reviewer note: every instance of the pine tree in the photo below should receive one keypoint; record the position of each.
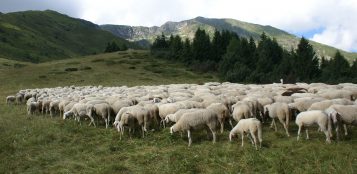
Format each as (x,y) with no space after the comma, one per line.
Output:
(306,61)
(201,46)
(186,54)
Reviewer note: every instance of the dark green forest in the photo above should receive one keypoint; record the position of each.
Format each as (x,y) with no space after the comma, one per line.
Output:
(245,60)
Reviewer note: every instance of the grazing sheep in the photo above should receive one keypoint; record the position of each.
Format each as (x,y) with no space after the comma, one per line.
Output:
(46,106)
(10,99)
(177,115)
(61,106)
(280,111)
(54,107)
(199,119)
(32,108)
(308,118)
(342,114)
(133,118)
(251,125)
(79,110)
(222,112)
(166,109)
(19,98)
(68,107)
(101,109)
(240,111)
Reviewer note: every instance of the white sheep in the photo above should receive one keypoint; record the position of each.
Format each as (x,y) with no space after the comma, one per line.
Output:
(133,118)
(240,111)
(54,107)
(280,111)
(199,119)
(342,114)
(79,110)
(32,108)
(308,118)
(222,112)
(177,115)
(102,110)
(251,125)
(10,99)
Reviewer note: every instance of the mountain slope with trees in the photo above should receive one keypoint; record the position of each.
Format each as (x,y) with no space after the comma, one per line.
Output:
(238,59)
(187,28)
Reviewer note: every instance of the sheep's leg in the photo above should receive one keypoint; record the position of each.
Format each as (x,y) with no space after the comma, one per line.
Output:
(286,129)
(255,139)
(242,134)
(213,135)
(307,133)
(337,132)
(230,122)
(250,138)
(328,140)
(345,127)
(222,126)
(143,130)
(272,123)
(106,123)
(189,138)
(298,136)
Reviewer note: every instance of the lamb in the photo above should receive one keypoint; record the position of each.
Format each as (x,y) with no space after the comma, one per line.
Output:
(197,120)
(251,125)
(308,118)
(342,114)
(101,109)
(10,99)
(280,111)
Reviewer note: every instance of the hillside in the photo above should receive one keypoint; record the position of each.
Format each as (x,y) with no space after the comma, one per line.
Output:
(42,144)
(46,35)
(187,29)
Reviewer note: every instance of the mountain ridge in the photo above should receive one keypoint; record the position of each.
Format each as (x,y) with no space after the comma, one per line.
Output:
(187,28)
(38,36)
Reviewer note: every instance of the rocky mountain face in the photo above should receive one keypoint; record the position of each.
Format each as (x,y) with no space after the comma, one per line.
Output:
(187,28)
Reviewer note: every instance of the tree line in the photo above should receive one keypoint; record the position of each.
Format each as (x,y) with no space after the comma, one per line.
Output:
(245,60)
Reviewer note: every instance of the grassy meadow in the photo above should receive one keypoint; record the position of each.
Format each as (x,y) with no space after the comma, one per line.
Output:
(41,144)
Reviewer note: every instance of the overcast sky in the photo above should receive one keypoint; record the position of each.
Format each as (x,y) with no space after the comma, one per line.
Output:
(333,22)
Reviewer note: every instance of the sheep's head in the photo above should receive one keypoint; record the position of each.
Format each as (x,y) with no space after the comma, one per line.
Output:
(231,136)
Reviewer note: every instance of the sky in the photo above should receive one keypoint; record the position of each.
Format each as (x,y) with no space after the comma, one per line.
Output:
(332,22)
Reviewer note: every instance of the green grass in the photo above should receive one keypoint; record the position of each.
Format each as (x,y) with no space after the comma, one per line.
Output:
(47,35)
(43,145)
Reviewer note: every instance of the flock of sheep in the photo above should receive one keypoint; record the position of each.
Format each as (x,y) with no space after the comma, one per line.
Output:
(209,106)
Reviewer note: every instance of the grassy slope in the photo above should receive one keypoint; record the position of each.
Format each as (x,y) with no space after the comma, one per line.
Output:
(45,145)
(48,35)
